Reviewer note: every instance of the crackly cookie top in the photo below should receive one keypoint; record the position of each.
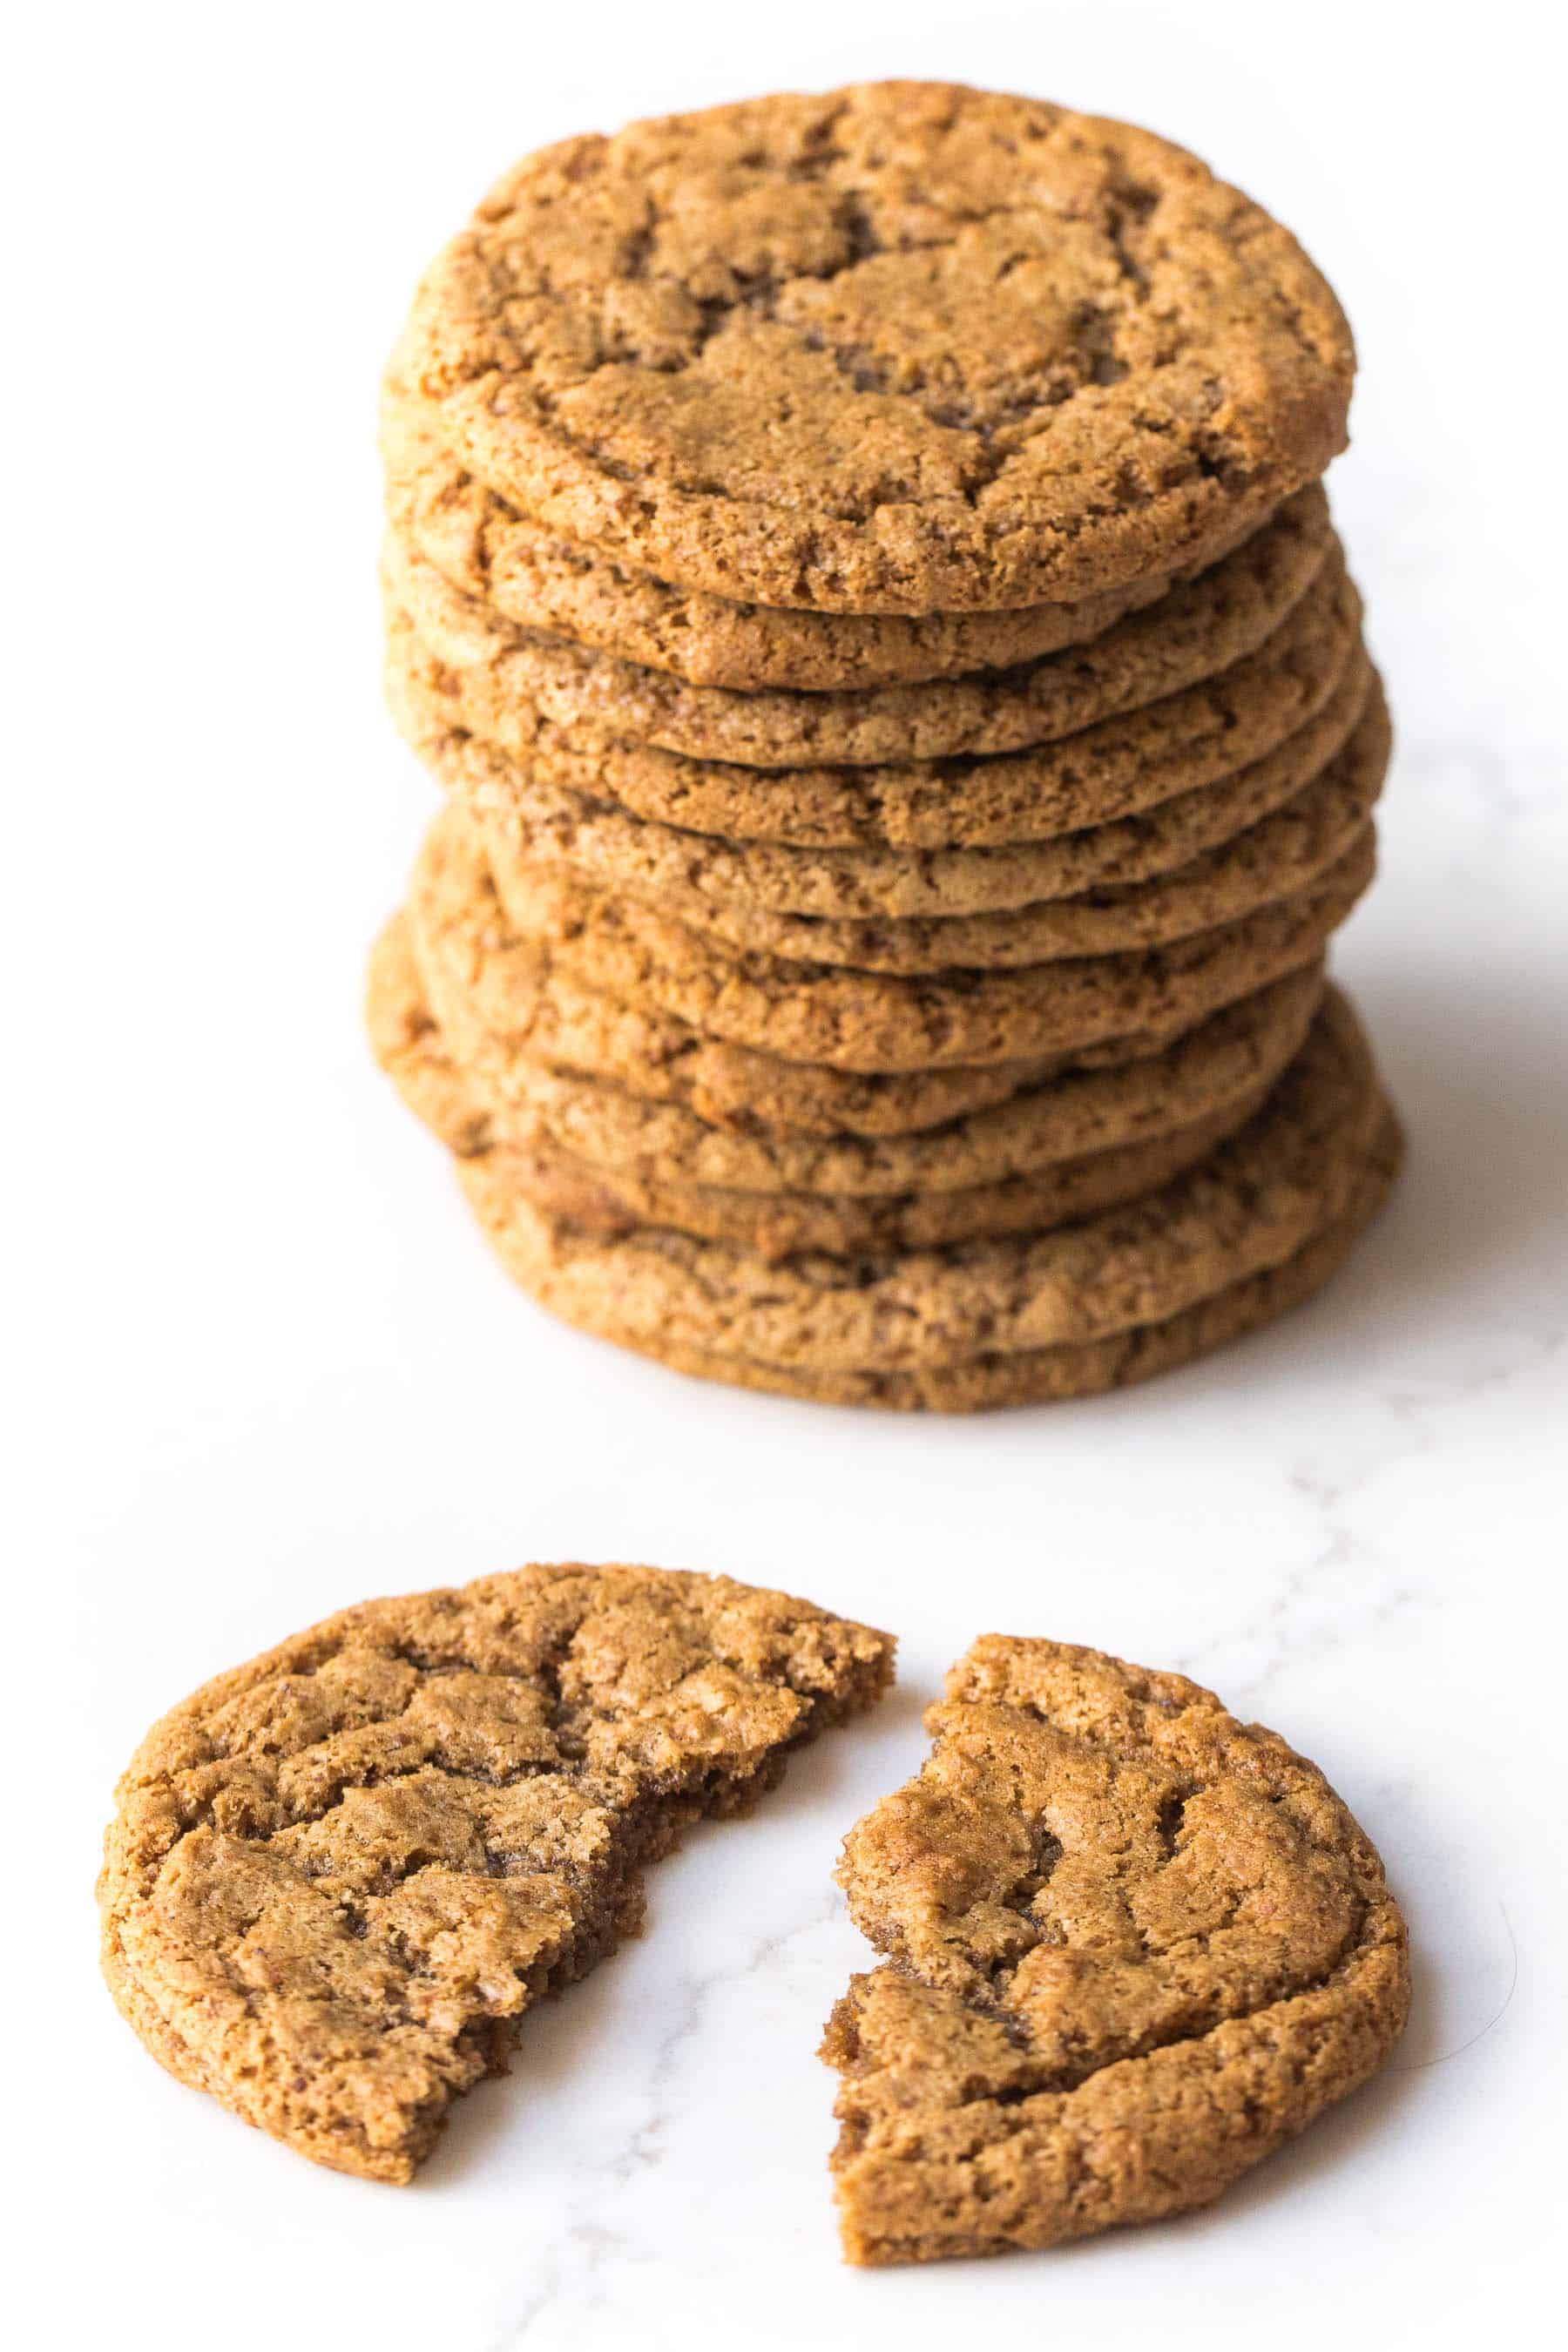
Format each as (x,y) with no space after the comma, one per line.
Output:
(901,348)
(338,1874)
(1136,1943)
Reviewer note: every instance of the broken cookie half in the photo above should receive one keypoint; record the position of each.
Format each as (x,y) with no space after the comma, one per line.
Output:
(1133,1946)
(338,1875)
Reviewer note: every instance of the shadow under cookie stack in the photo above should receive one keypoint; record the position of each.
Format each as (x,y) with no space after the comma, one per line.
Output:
(858,570)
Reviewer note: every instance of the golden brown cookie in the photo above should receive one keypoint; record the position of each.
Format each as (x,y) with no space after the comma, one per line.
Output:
(795,1020)
(880,1022)
(1133,1946)
(536,1019)
(613,1199)
(614,1203)
(490,1094)
(1291,1172)
(542,580)
(338,1875)
(900,348)
(1214,620)
(1079,1367)
(1284,853)
(549,822)
(1115,770)
(546,581)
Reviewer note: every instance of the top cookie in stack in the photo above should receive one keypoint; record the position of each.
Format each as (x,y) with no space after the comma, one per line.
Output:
(858,566)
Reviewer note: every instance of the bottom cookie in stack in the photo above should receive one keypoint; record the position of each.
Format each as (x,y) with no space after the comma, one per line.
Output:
(1154,1248)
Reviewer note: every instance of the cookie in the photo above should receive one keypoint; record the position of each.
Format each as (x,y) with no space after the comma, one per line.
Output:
(1080,1369)
(615,1202)
(576,943)
(1117,769)
(900,348)
(537,1019)
(1283,853)
(546,822)
(338,1875)
(1133,1946)
(1198,629)
(612,1200)
(498,1095)
(880,1022)
(543,580)
(1291,1172)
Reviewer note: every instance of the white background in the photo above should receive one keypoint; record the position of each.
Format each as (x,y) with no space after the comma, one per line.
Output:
(264,1368)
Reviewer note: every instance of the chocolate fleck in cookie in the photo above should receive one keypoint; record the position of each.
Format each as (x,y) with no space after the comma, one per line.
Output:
(1218,618)
(486,1093)
(548,821)
(614,1199)
(338,1875)
(1284,853)
(869,1021)
(542,580)
(1117,769)
(901,348)
(1293,1170)
(1133,1946)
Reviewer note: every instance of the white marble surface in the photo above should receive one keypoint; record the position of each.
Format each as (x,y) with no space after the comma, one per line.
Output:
(268,1368)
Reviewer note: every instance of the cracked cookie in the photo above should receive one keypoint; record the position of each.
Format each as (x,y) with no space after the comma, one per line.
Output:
(1132,1946)
(338,1875)
(901,348)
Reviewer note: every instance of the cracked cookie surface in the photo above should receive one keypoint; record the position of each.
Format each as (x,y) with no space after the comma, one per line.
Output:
(900,348)
(338,1875)
(1133,1946)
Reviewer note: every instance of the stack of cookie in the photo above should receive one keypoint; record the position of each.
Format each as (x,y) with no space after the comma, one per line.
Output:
(858,567)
